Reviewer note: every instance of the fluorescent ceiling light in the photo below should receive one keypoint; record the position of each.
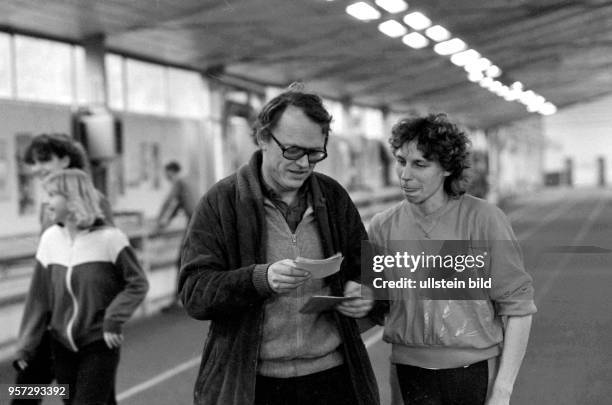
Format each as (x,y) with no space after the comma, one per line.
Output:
(533,108)
(415,40)
(527,96)
(502,91)
(417,21)
(438,33)
(479,65)
(496,86)
(363,11)
(449,47)
(518,86)
(465,57)
(493,71)
(538,100)
(513,94)
(548,108)
(475,76)
(487,82)
(508,94)
(392,28)
(392,6)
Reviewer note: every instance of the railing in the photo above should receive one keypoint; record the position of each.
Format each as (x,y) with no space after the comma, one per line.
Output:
(156,250)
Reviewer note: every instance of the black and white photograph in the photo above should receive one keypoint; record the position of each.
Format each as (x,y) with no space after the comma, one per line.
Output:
(317,202)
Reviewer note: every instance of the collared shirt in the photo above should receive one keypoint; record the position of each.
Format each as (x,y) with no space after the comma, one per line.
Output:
(292,213)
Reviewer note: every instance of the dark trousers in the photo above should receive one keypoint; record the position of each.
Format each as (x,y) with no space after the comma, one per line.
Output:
(454,386)
(90,373)
(39,370)
(329,387)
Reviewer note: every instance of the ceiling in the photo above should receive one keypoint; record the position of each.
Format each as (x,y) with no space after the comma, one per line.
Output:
(559,49)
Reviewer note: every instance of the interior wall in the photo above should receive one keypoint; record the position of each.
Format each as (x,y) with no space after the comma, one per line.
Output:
(516,157)
(582,133)
(149,143)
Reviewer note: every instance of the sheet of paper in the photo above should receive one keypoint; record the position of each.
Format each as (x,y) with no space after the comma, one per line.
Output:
(320,303)
(320,268)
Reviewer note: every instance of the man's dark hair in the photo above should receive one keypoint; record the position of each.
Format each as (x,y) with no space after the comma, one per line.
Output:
(44,146)
(439,140)
(172,166)
(309,103)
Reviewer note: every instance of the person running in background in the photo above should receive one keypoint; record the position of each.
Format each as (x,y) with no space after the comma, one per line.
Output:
(46,154)
(452,351)
(180,198)
(87,283)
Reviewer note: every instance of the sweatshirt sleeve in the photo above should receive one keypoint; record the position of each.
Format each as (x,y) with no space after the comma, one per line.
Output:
(512,289)
(135,288)
(37,311)
(382,303)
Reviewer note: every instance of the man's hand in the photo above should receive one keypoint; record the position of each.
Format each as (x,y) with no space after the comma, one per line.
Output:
(284,276)
(357,308)
(113,339)
(22,364)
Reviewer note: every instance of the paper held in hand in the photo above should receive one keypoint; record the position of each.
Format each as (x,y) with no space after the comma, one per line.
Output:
(320,268)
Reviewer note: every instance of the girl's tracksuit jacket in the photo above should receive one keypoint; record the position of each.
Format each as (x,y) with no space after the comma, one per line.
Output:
(81,288)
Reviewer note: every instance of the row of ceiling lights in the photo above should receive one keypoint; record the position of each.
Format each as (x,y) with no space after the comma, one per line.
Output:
(479,69)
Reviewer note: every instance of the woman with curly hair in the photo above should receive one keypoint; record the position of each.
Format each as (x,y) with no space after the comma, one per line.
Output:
(86,284)
(448,347)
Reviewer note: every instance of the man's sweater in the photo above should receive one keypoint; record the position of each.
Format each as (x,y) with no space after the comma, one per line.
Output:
(296,344)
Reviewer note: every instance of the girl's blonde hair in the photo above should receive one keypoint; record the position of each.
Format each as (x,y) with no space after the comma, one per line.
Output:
(82,199)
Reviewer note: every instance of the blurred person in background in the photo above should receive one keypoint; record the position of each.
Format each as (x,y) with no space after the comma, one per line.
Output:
(180,198)
(87,283)
(238,271)
(447,351)
(47,154)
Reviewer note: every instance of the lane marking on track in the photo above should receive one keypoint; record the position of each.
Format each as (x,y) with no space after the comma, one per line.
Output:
(582,233)
(158,379)
(550,217)
(166,375)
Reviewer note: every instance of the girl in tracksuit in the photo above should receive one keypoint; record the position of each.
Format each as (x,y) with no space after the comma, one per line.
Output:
(86,284)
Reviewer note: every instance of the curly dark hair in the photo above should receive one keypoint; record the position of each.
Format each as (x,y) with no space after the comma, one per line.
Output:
(172,166)
(44,146)
(439,140)
(309,103)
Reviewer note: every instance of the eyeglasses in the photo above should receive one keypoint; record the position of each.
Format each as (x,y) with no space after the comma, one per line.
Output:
(296,152)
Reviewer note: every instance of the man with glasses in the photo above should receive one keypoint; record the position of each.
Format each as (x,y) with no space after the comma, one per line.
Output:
(238,271)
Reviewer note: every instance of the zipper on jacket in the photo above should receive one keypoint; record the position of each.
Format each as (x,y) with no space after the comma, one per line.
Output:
(73,297)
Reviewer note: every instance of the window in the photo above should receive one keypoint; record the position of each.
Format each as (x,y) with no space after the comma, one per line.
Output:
(186,93)
(82,92)
(115,81)
(5,65)
(44,70)
(146,87)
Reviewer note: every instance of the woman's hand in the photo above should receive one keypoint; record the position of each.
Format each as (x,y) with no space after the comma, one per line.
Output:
(113,340)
